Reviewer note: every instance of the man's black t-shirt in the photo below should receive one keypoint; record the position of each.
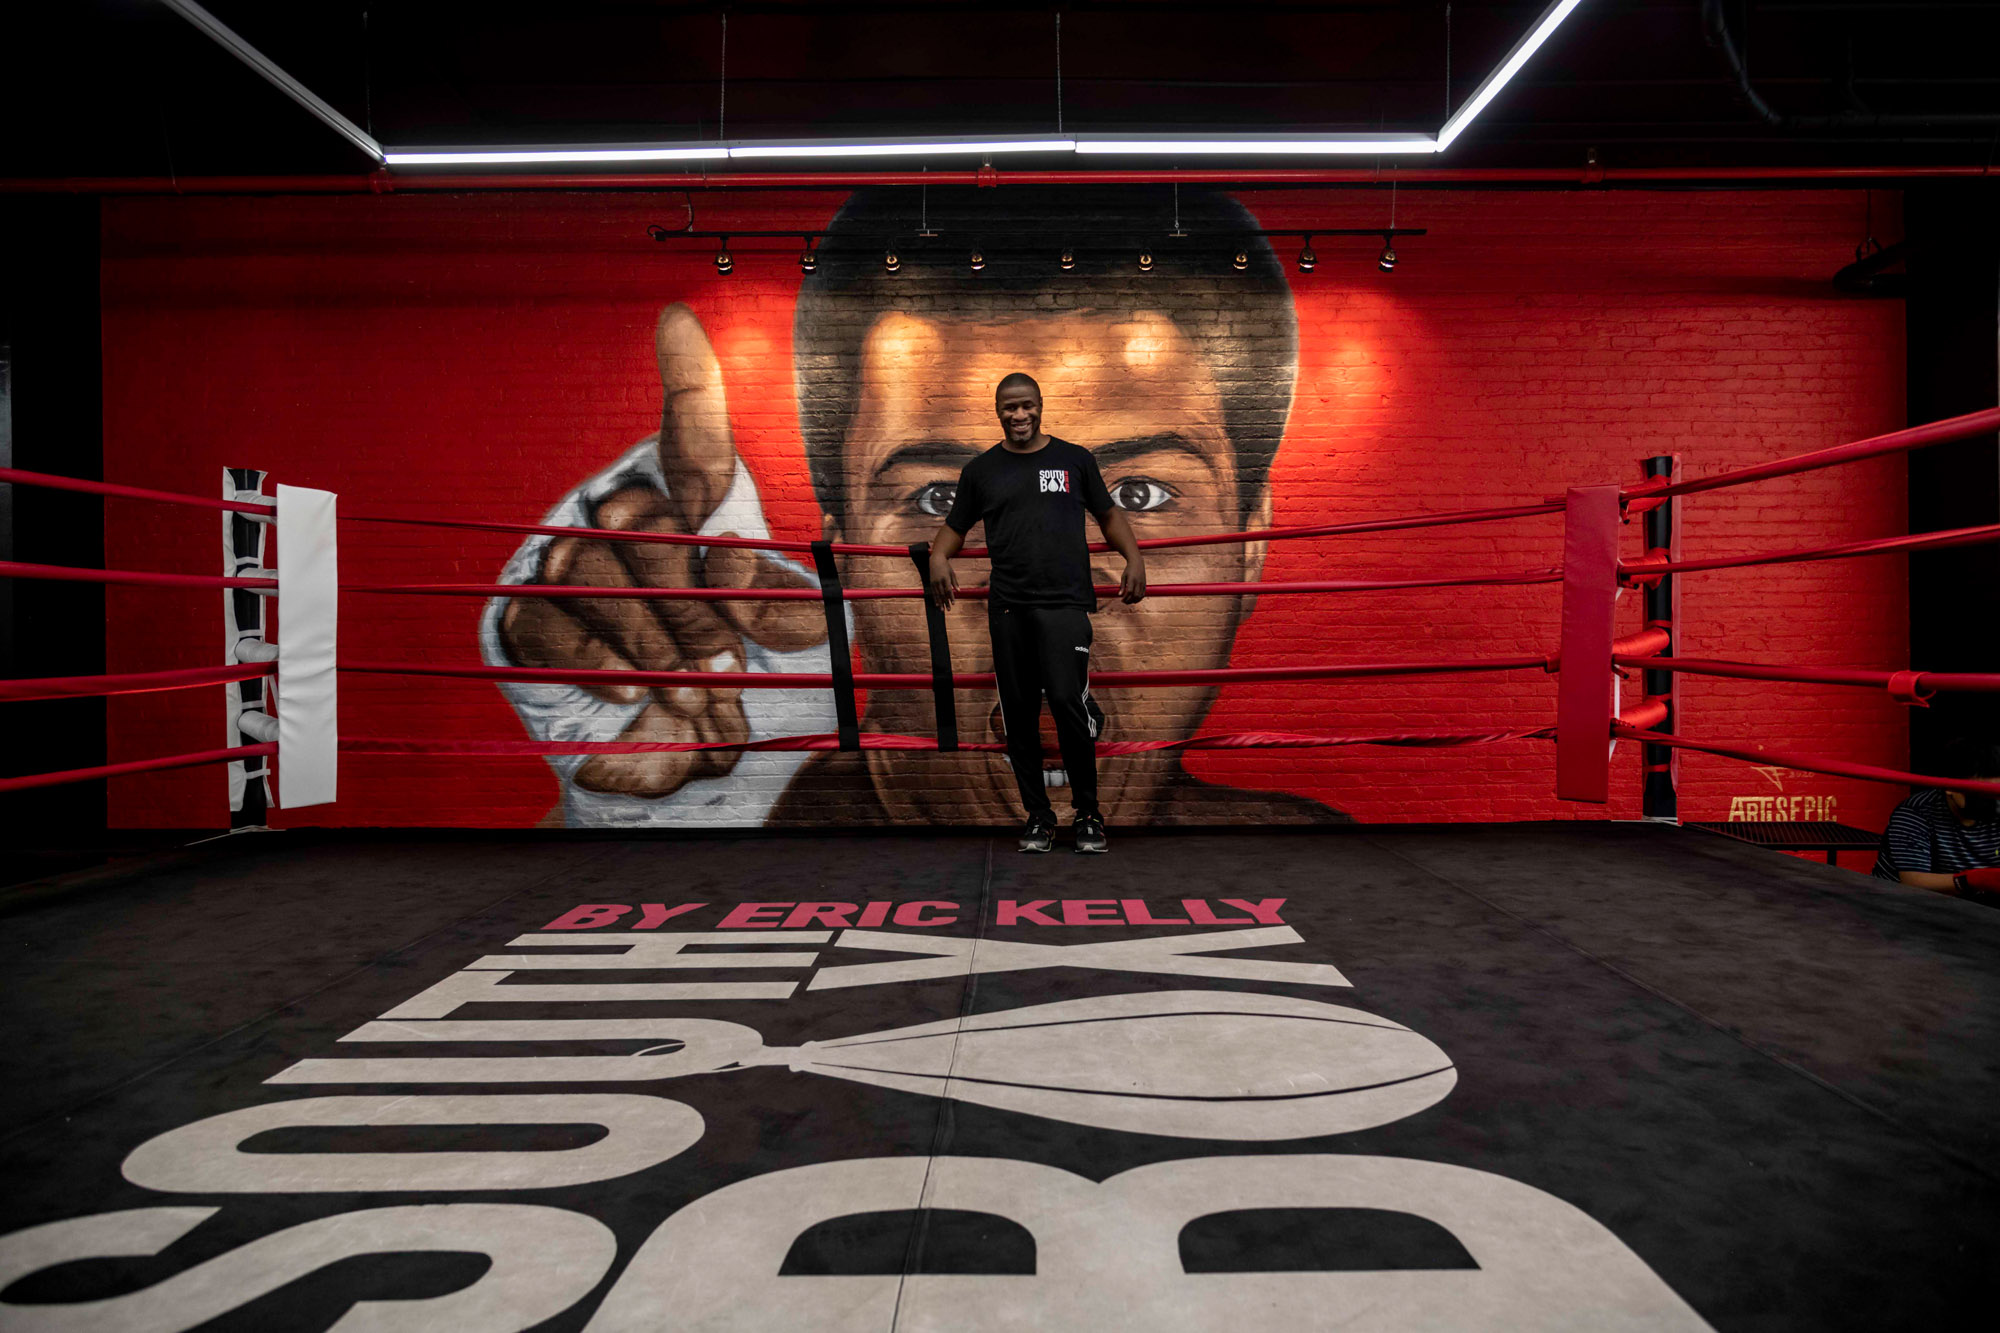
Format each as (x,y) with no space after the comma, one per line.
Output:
(1033,507)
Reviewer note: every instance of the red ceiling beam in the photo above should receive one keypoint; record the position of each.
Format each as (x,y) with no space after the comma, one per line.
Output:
(385,182)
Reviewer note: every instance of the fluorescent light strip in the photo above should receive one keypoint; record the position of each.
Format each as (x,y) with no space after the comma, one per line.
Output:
(457,157)
(1235,145)
(1551,18)
(450,157)
(1220,145)
(228,40)
(900,147)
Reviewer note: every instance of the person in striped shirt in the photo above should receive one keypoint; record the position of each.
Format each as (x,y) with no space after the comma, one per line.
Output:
(1948,841)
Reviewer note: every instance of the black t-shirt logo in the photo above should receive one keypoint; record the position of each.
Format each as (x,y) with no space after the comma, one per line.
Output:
(1055,479)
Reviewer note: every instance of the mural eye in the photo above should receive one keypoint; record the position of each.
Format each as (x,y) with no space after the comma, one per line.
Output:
(1141,494)
(936,498)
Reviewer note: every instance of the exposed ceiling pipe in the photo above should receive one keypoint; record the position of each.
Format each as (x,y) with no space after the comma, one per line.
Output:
(385,182)
(1715,22)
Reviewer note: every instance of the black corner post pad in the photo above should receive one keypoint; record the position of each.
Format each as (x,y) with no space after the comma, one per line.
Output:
(830,596)
(944,704)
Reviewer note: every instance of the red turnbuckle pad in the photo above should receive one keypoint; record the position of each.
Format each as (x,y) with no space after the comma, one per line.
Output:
(1638,498)
(1908,688)
(1632,573)
(1648,642)
(1648,713)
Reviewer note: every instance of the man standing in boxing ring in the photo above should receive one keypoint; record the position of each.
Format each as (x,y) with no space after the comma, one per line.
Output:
(1031,491)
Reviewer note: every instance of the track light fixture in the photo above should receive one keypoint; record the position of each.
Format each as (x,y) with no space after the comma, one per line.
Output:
(1387,261)
(1241,247)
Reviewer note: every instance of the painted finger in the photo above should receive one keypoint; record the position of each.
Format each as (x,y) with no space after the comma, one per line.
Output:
(694,700)
(622,622)
(784,627)
(697,451)
(724,722)
(537,632)
(646,775)
(698,629)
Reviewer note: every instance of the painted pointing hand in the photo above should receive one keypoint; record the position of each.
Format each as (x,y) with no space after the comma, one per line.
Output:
(697,455)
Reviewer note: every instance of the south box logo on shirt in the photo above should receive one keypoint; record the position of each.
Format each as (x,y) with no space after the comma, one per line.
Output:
(1055,479)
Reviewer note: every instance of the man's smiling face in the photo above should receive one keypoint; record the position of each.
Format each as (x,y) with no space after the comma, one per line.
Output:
(1020,410)
(1131,389)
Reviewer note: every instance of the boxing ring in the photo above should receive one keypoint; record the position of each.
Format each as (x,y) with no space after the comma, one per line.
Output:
(1591,662)
(1580,1075)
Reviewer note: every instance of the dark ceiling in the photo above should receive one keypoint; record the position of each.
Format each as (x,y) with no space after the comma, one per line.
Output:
(127,87)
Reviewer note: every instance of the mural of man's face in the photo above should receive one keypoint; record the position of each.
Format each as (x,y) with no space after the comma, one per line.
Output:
(1135,391)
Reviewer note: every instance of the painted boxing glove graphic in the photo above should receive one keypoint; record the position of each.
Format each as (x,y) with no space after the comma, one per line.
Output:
(688,479)
(1186,1064)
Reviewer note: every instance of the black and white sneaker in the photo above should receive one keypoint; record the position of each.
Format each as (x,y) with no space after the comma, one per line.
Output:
(1089,830)
(1040,833)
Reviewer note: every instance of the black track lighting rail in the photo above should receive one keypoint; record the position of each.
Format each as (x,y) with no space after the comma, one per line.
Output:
(659,233)
(978,248)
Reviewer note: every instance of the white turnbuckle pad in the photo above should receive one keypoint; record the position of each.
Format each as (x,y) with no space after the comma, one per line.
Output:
(308,617)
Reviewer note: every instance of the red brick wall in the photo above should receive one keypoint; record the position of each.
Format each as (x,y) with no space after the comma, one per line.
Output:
(479,356)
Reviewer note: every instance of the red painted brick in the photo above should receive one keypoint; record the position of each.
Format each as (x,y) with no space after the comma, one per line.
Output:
(478,356)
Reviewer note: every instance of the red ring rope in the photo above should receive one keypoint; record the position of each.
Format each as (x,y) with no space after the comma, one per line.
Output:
(563,590)
(804,680)
(1633,725)
(136,766)
(49,481)
(974,552)
(1838,768)
(131,682)
(1917,541)
(1240,740)
(136,577)
(1973,682)
(1896,442)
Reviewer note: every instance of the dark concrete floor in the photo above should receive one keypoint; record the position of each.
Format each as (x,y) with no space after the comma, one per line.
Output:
(1693,1081)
